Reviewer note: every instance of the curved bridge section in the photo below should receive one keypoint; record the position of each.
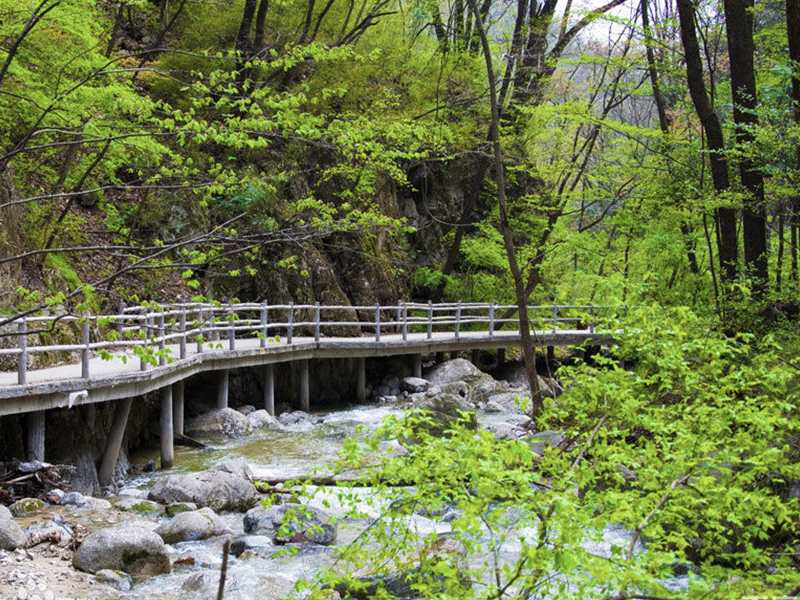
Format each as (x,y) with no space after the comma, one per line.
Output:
(157,347)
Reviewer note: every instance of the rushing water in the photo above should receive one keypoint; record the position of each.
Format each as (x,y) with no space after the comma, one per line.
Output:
(296,451)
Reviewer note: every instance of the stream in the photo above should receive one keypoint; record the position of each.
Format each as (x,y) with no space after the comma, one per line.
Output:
(298,450)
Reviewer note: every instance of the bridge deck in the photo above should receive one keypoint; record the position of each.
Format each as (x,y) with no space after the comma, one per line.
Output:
(122,377)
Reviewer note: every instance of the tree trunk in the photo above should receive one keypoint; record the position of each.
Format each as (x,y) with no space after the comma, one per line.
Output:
(739,26)
(726,217)
(793,32)
(528,351)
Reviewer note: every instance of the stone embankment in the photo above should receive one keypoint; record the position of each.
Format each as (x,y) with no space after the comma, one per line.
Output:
(75,545)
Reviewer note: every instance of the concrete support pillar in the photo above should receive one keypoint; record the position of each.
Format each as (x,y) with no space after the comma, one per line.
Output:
(417,366)
(177,407)
(361,379)
(167,429)
(34,444)
(223,378)
(114,442)
(305,388)
(269,388)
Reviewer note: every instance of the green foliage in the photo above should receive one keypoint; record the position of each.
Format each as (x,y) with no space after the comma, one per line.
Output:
(684,458)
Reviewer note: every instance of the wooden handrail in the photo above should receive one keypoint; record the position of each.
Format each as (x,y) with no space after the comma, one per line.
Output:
(156,326)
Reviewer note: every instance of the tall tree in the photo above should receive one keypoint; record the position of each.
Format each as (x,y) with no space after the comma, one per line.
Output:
(725,216)
(739,27)
(793,31)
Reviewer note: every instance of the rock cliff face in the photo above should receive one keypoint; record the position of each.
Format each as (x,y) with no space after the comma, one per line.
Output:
(10,237)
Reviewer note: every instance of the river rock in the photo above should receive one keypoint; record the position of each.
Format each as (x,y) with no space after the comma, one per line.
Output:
(116,579)
(541,439)
(74,499)
(303,524)
(11,534)
(458,369)
(177,508)
(26,506)
(415,385)
(445,410)
(508,402)
(252,545)
(216,489)
(129,548)
(247,409)
(261,419)
(201,582)
(137,505)
(299,420)
(236,466)
(222,421)
(513,427)
(192,526)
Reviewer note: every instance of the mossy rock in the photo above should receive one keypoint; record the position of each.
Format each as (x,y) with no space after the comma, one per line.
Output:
(26,506)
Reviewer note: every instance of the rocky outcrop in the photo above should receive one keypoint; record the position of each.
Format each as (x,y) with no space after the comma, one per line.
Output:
(192,526)
(445,410)
(128,548)
(215,489)
(291,523)
(11,534)
(222,421)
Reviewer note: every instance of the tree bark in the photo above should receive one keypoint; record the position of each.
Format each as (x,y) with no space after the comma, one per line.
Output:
(793,32)
(726,217)
(739,27)
(528,350)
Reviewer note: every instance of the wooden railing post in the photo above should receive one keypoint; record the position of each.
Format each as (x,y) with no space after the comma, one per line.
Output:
(120,323)
(200,329)
(162,343)
(264,326)
(85,340)
(291,323)
(231,328)
(317,323)
(430,319)
(458,318)
(491,319)
(398,316)
(146,329)
(22,359)
(405,322)
(182,326)
(378,322)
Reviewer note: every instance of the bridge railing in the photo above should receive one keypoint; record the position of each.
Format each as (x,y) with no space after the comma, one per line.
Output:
(158,334)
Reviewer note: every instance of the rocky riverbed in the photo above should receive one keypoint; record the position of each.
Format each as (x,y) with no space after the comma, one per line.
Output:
(162,535)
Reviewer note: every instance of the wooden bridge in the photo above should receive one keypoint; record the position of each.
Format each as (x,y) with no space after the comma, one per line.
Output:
(157,347)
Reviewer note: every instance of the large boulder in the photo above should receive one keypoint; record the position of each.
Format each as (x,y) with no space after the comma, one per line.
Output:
(445,410)
(192,526)
(216,489)
(261,419)
(11,534)
(128,547)
(291,523)
(222,421)
(459,376)
(458,369)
